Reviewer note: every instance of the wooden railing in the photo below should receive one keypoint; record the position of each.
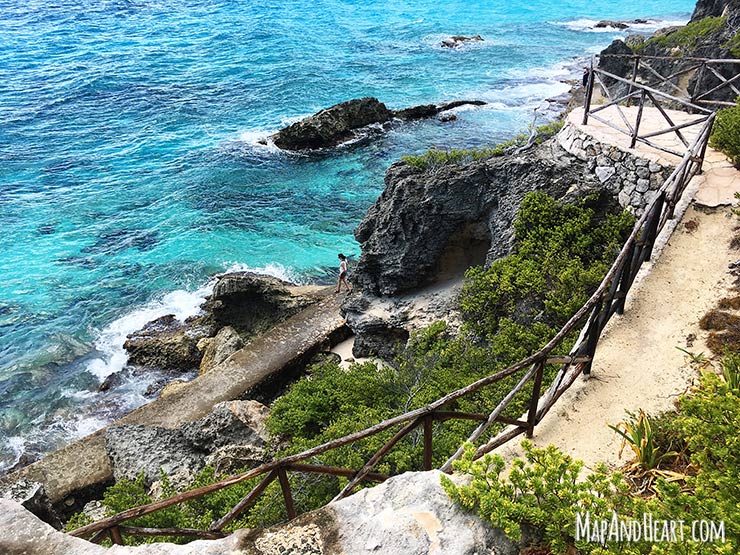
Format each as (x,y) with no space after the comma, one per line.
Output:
(608,299)
(620,91)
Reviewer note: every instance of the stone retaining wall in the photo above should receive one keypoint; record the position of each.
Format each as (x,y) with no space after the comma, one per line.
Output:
(634,179)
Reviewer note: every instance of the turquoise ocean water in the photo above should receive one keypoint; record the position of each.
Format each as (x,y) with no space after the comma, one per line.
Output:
(130,170)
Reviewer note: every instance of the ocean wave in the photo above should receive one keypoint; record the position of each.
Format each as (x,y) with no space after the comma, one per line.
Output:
(109,343)
(274,269)
(589,25)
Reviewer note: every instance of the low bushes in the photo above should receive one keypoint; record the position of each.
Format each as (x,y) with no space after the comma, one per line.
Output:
(726,133)
(544,493)
(435,159)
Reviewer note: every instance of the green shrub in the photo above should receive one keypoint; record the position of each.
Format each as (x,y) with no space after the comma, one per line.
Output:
(435,159)
(544,492)
(541,496)
(562,253)
(726,133)
(689,35)
(733,45)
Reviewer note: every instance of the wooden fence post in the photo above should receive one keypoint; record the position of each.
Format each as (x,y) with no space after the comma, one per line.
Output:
(534,401)
(115,535)
(428,443)
(639,119)
(589,93)
(287,496)
(635,66)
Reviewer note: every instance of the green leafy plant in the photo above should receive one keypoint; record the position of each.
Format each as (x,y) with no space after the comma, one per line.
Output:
(694,358)
(434,159)
(541,496)
(726,133)
(638,434)
(731,370)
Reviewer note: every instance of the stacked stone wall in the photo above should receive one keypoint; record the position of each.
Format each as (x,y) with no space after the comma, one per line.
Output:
(633,179)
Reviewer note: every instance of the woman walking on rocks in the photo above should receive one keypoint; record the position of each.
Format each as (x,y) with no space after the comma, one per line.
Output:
(343,270)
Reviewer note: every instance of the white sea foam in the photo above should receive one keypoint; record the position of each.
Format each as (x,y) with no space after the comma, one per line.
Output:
(110,341)
(274,269)
(589,25)
(12,452)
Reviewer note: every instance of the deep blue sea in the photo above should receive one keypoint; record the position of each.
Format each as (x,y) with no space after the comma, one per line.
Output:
(130,170)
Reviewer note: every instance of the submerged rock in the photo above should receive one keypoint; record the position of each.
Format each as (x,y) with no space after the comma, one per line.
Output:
(609,23)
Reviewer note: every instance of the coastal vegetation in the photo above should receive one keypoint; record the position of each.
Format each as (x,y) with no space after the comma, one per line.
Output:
(434,159)
(726,133)
(694,462)
(689,35)
(561,253)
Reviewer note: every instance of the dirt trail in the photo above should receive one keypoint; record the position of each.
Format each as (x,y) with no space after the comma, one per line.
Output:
(637,365)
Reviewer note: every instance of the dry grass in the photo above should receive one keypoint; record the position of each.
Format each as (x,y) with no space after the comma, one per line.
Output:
(725,341)
(719,320)
(729,303)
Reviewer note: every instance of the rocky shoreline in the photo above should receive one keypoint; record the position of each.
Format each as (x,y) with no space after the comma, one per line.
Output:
(422,233)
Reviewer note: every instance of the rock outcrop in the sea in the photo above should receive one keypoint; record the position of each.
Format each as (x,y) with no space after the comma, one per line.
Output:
(341,123)
(406,515)
(242,304)
(232,436)
(456,41)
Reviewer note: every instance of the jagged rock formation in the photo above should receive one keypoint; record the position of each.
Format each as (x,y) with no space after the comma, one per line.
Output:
(406,515)
(242,304)
(427,227)
(232,436)
(678,43)
(341,122)
(424,221)
(715,8)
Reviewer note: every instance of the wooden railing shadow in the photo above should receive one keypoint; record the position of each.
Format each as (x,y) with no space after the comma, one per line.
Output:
(608,299)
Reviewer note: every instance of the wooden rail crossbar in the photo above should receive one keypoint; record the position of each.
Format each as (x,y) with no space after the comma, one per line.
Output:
(645,90)
(608,299)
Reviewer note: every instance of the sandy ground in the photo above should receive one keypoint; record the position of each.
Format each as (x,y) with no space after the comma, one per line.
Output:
(637,365)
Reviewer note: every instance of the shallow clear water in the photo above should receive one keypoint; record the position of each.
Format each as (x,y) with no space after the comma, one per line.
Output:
(130,170)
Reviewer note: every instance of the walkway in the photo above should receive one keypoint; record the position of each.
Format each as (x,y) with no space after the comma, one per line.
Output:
(637,365)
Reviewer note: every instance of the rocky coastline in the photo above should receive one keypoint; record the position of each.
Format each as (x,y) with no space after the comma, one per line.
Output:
(425,229)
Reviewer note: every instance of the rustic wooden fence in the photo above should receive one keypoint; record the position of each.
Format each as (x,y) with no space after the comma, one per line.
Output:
(620,91)
(607,300)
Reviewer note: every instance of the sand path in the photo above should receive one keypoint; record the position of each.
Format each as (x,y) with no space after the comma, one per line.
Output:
(637,365)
